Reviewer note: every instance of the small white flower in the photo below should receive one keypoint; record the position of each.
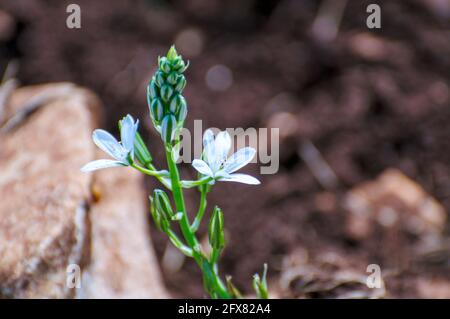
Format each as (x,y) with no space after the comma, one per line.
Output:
(122,152)
(215,163)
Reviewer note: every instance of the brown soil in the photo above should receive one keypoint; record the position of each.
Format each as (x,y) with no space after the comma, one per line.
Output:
(368,100)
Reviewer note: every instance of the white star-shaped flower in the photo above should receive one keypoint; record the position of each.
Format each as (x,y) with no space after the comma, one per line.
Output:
(122,152)
(215,164)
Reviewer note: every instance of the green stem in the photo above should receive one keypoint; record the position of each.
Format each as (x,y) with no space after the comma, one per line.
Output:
(189,236)
(201,211)
(199,182)
(177,243)
(151,171)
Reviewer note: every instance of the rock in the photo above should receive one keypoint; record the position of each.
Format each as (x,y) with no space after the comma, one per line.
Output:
(43,212)
(47,218)
(328,274)
(390,200)
(122,262)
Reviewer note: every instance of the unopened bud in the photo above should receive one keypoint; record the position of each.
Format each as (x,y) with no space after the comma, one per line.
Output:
(168,127)
(164,65)
(162,204)
(182,113)
(152,90)
(173,78)
(176,102)
(181,83)
(178,64)
(166,92)
(157,110)
(215,232)
(172,53)
(159,78)
(159,220)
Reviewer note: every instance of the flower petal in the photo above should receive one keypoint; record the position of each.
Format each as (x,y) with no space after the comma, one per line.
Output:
(241,178)
(107,143)
(222,145)
(100,164)
(128,133)
(202,167)
(239,159)
(209,149)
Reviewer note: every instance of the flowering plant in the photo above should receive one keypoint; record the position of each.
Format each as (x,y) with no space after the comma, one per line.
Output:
(168,111)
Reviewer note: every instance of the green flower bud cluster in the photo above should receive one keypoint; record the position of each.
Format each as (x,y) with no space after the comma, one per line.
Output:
(168,108)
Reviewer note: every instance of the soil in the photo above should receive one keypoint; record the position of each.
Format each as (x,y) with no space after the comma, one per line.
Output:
(368,99)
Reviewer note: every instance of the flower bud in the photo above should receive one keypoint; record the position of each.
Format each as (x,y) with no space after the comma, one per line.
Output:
(159,220)
(164,65)
(159,78)
(182,113)
(141,151)
(162,204)
(168,127)
(156,110)
(181,83)
(215,232)
(178,64)
(166,92)
(173,78)
(152,90)
(172,53)
(176,102)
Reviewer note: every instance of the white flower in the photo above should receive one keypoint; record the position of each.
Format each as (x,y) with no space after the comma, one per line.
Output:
(215,163)
(122,152)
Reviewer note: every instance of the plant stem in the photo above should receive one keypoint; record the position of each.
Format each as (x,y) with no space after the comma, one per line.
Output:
(189,236)
(201,211)
(199,182)
(151,171)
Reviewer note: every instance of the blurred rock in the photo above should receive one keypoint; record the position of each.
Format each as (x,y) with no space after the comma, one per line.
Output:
(46,219)
(390,200)
(328,275)
(430,288)
(122,261)
(43,212)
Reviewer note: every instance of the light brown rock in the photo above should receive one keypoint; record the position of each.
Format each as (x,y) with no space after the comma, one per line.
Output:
(391,199)
(43,195)
(47,218)
(122,262)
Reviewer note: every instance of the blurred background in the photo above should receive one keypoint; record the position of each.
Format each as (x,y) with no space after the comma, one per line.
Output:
(363,116)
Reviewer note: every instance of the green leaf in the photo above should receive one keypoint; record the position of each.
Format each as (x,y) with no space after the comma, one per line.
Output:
(260,285)
(235,293)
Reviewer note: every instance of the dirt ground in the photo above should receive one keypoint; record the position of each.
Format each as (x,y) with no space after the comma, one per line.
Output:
(368,100)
